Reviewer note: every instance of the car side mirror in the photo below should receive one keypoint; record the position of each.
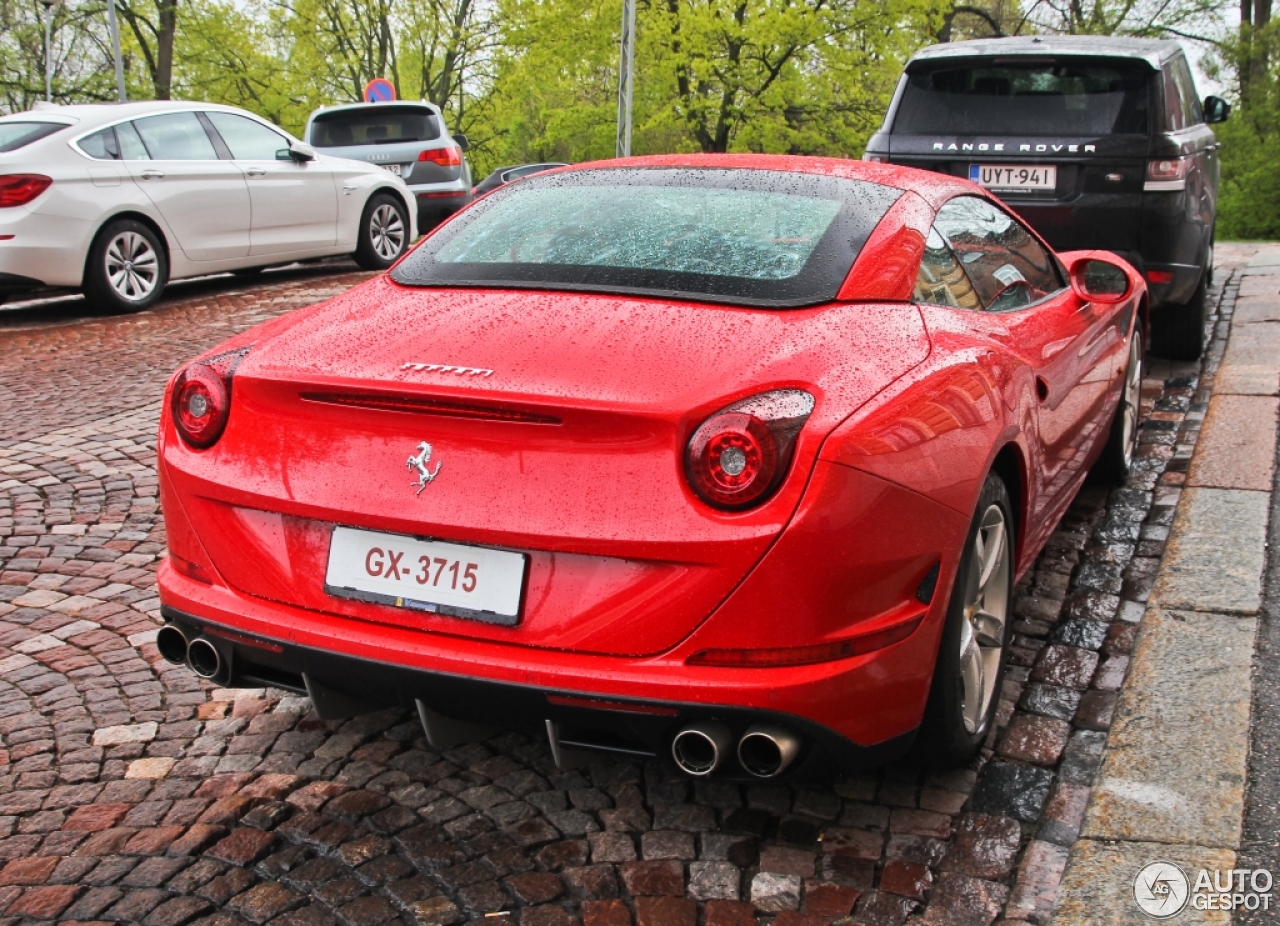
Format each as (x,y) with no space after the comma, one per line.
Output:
(1097,280)
(1216,109)
(298,151)
(463,142)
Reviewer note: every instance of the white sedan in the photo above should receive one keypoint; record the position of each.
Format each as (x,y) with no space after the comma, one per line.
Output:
(116,200)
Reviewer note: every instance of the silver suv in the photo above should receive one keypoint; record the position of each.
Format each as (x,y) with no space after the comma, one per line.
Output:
(410,140)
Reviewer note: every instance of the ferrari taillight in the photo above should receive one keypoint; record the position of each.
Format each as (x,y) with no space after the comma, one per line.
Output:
(20,189)
(201,401)
(445,157)
(737,458)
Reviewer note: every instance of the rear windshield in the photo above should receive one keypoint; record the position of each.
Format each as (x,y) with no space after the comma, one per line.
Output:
(15,135)
(1067,97)
(380,124)
(747,237)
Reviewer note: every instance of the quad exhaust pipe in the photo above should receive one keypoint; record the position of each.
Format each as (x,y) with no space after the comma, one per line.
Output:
(172,644)
(767,749)
(180,647)
(203,658)
(700,748)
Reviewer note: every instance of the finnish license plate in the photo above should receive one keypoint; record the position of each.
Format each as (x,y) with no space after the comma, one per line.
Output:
(393,168)
(1014,176)
(426,575)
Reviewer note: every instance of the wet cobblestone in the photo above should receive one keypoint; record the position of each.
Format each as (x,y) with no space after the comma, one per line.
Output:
(130,792)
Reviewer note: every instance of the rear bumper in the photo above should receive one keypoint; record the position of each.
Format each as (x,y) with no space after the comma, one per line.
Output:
(436,205)
(640,724)
(12,284)
(38,250)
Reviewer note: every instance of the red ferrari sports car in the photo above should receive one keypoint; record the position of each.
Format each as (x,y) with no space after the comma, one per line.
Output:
(729,459)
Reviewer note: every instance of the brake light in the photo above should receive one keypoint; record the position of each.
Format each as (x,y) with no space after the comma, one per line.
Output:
(740,454)
(1160,276)
(20,189)
(445,157)
(201,402)
(1167,169)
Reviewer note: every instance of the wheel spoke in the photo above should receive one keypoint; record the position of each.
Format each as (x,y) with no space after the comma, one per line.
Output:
(988,629)
(972,678)
(991,551)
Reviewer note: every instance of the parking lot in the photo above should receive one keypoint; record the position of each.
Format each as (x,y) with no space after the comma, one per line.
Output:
(131,792)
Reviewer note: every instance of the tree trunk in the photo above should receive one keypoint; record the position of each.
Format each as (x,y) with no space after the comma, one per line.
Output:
(168,27)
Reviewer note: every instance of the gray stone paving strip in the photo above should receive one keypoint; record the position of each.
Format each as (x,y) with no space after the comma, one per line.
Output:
(1176,759)
(1098,889)
(1172,782)
(1216,552)
(1237,444)
(1249,367)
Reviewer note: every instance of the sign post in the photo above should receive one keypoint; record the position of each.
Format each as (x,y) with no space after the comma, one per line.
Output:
(626,68)
(114,28)
(379,90)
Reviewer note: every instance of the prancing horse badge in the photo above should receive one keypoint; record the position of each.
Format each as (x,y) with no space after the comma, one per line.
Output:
(419,463)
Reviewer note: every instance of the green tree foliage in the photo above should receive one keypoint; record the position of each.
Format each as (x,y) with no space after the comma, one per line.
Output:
(80,53)
(745,75)
(1249,204)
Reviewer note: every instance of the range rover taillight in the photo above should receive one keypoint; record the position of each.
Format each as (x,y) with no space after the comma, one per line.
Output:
(201,400)
(1165,170)
(738,456)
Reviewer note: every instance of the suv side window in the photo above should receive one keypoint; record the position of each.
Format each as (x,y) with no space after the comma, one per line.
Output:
(1192,113)
(1175,108)
(1008,267)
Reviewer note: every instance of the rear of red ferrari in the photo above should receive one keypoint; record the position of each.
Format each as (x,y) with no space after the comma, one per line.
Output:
(568,476)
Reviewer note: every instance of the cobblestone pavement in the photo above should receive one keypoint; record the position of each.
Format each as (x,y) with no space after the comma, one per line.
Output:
(131,792)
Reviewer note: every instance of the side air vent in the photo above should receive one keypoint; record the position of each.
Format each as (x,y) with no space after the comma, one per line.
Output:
(427,406)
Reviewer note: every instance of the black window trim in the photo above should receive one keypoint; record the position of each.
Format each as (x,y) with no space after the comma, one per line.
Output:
(219,145)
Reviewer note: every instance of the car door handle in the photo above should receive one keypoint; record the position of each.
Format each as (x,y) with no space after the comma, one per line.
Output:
(152,174)
(256,171)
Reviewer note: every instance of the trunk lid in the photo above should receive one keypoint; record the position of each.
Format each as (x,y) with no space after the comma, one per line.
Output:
(559,422)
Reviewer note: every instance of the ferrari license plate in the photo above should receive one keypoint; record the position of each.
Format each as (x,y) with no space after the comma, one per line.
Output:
(426,575)
(1014,176)
(393,168)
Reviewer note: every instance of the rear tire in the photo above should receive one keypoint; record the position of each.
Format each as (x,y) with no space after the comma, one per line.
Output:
(975,641)
(1177,331)
(127,268)
(1122,444)
(384,233)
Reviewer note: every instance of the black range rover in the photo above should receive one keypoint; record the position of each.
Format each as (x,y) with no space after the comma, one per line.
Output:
(1097,142)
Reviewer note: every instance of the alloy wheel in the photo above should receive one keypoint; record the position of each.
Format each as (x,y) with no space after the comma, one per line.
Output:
(133,267)
(1132,399)
(985,615)
(386,231)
